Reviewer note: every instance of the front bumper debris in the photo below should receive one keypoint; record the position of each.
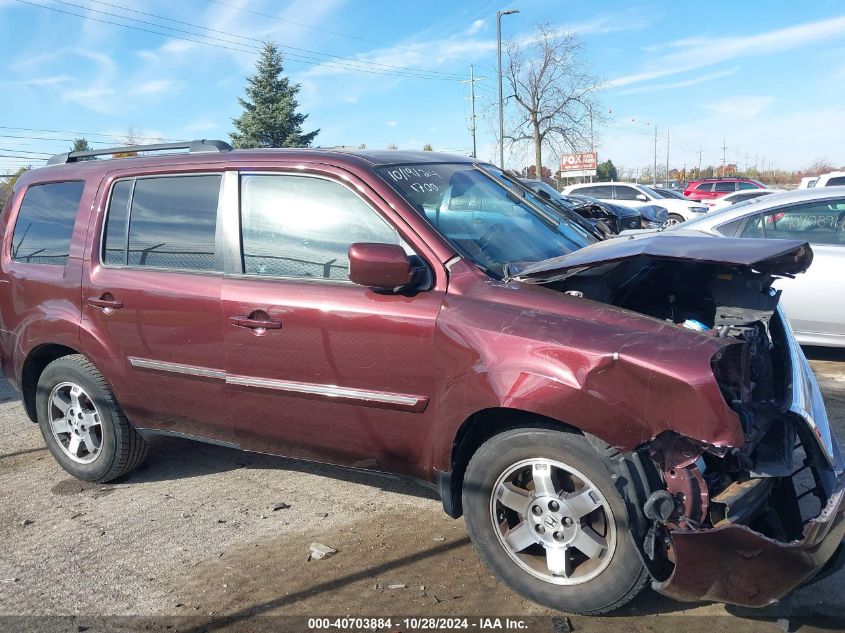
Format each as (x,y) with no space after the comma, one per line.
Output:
(735,564)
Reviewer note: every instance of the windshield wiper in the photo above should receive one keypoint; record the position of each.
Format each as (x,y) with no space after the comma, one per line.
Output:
(520,197)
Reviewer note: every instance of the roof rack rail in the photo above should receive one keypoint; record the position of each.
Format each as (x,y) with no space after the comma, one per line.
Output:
(192,147)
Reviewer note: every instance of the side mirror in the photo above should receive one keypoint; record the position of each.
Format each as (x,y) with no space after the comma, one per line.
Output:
(642,197)
(383,266)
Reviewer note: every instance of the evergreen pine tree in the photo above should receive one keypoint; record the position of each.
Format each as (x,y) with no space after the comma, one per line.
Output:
(270,118)
(80,145)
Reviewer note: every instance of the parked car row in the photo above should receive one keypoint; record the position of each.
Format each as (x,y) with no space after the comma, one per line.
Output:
(605,414)
(638,196)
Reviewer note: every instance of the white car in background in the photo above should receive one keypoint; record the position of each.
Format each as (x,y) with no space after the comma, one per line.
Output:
(814,301)
(634,195)
(833,179)
(738,196)
(808,182)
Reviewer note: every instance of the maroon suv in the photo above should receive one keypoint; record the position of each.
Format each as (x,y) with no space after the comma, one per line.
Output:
(605,414)
(712,188)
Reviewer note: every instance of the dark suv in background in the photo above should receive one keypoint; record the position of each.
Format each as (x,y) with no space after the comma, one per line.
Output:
(604,414)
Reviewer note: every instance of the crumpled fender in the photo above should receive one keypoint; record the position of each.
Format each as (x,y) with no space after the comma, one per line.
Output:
(615,374)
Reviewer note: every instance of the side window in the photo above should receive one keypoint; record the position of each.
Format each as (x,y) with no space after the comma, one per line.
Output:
(754,228)
(603,192)
(821,222)
(837,180)
(730,229)
(302,227)
(172,222)
(626,193)
(746,185)
(114,248)
(45,223)
(722,187)
(705,186)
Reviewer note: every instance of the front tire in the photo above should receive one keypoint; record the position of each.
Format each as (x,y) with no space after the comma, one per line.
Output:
(674,220)
(82,423)
(544,515)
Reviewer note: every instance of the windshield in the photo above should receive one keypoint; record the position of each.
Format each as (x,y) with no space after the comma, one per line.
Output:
(654,192)
(486,216)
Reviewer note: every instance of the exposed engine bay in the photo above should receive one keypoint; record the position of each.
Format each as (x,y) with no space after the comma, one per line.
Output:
(771,484)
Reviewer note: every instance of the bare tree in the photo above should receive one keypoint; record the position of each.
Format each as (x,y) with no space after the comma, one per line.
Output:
(554,92)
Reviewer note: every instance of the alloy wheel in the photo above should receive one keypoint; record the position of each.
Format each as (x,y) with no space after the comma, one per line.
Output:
(75,423)
(553,521)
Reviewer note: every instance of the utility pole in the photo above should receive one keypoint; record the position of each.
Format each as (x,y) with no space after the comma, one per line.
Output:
(667,159)
(724,159)
(698,175)
(471,81)
(592,138)
(499,15)
(654,173)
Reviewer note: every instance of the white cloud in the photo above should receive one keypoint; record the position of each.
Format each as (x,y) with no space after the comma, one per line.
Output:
(475,27)
(156,87)
(697,52)
(700,79)
(740,107)
(44,81)
(391,123)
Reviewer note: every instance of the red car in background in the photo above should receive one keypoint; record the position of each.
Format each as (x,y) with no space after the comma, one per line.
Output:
(709,188)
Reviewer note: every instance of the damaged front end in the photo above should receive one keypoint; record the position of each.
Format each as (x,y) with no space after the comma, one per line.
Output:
(738,524)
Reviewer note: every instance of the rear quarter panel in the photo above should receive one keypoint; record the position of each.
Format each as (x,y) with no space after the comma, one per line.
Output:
(41,303)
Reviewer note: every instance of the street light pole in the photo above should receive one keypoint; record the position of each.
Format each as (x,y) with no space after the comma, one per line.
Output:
(499,15)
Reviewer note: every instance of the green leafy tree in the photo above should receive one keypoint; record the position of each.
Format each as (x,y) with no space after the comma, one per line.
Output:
(270,117)
(427,147)
(7,183)
(606,171)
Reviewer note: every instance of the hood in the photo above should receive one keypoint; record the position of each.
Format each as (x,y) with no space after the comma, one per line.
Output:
(772,257)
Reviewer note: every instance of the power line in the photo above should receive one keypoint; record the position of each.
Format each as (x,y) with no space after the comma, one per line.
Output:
(23,151)
(111,135)
(21,157)
(232,46)
(329,56)
(338,33)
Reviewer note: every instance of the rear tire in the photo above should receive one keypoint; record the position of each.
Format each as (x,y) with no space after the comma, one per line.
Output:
(83,425)
(567,544)
(674,219)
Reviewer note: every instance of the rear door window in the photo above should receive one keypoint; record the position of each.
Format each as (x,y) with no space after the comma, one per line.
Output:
(603,192)
(838,180)
(626,193)
(821,222)
(722,187)
(45,223)
(171,220)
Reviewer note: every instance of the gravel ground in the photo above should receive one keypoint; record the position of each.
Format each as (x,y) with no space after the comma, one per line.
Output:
(202,533)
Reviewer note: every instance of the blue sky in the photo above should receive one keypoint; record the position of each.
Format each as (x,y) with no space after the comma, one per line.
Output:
(768,78)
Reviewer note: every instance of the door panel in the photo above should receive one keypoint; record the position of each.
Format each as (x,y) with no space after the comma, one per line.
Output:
(814,301)
(155,306)
(346,379)
(347,375)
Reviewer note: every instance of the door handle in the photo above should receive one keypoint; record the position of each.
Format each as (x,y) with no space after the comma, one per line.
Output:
(107,305)
(255,324)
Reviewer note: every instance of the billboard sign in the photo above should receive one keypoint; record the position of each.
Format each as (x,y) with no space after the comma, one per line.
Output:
(578,164)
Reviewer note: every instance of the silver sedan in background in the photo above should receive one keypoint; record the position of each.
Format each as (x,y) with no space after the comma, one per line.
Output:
(813,301)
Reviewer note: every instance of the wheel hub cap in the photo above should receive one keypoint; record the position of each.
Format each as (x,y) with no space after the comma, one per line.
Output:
(553,521)
(75,423)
